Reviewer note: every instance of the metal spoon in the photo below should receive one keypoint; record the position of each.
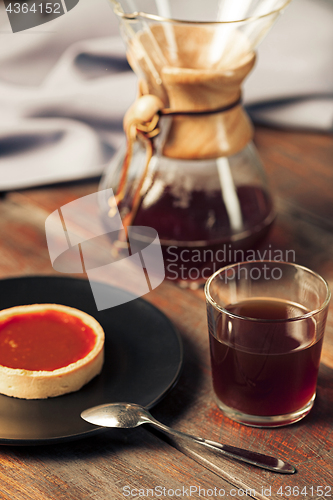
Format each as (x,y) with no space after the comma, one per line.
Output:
(129,415)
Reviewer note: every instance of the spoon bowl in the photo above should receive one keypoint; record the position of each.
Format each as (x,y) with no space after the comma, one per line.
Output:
(121,415)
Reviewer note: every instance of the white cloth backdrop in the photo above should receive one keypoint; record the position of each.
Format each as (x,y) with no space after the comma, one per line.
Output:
(65,86)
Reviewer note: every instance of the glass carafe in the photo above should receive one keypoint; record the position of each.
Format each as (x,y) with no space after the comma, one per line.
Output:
(190,169)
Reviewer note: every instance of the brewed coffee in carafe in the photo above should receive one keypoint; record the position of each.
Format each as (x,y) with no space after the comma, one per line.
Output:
(189,168)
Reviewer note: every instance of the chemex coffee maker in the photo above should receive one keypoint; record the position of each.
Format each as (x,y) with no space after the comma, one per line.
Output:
(190,169)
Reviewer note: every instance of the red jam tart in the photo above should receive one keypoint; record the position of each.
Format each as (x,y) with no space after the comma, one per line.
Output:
(47,350)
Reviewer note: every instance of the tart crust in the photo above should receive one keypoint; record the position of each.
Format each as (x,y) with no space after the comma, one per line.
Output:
(31,384)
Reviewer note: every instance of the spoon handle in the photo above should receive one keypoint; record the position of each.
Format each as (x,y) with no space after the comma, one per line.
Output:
(258,459)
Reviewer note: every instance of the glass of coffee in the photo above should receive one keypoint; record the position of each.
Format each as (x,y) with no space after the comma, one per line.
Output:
(266,323)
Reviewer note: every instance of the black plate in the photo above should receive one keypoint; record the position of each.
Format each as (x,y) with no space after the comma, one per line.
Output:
(143,357)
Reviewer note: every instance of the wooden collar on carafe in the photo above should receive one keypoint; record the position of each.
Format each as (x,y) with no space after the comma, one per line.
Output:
(204,131)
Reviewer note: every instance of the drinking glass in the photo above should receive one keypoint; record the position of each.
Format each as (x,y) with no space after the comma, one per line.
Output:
(266,322)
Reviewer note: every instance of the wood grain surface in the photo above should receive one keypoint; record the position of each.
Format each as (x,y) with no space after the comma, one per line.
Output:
(300,170)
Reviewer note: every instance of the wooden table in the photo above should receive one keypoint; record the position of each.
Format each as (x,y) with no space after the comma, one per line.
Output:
(140,463)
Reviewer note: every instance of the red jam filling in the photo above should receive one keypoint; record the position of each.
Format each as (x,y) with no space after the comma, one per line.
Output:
(45,340)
